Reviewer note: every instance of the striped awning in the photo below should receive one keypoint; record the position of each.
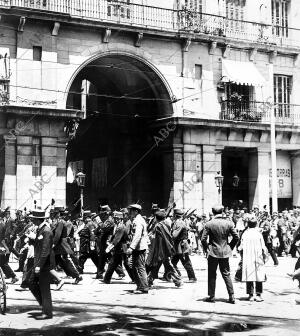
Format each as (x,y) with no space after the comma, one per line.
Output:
(243,73)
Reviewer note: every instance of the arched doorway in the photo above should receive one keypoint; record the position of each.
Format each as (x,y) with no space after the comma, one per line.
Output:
(113,143)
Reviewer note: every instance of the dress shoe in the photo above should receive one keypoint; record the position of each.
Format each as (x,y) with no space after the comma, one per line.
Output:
(44,317)
(104,282)
(60,284)
(231,299)
(121,277)
(210,299)
(77,280)
(99,276)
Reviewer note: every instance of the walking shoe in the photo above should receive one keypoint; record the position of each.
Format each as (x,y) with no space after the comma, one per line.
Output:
(99,276)
(210,299)
(178,284)
(43,317)
(77,280)
(231,299)
(138,291)
(121,277)
(192,280)
(251,298)
(14,280)
(104,282)
(259,298)
(60,284)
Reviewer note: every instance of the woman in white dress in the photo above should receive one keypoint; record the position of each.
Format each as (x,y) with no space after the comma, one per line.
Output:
(254,255)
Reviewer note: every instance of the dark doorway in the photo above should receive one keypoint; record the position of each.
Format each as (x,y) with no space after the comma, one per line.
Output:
(235,162)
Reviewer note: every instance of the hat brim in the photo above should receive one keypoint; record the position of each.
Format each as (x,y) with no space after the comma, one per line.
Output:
(37,217)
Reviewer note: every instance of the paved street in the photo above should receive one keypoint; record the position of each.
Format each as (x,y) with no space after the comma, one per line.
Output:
(91,308)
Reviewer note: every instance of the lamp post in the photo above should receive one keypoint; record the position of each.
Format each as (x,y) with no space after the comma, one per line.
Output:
(219,179)
(80,179)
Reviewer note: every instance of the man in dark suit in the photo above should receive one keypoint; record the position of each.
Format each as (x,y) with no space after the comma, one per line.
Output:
(42,264)
(61,247)
(218,250)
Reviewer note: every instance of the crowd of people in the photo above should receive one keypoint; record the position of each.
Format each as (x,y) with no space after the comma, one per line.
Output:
(44,243)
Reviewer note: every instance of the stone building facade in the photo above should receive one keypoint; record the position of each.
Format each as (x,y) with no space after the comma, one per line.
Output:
(161,99)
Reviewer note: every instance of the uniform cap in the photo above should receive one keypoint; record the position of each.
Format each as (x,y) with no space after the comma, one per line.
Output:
(160,214)
(178,212)
(105,208)
(135,207)
(118,214)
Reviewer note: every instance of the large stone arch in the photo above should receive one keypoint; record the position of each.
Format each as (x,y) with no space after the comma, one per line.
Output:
(116,142)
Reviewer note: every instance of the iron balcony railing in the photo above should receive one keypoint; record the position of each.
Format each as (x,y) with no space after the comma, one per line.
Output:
(255,111)
(126,13)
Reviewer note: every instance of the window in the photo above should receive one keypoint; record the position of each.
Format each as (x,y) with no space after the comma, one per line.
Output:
(282,95)
(36,157)
(37,53)
(118,9)
(235,15)
(198,71)
(194,5)
(280,18)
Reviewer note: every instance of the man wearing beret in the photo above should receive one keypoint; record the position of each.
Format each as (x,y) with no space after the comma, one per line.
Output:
(218,250)
(138,249)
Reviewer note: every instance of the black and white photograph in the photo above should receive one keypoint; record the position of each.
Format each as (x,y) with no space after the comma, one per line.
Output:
(149,167)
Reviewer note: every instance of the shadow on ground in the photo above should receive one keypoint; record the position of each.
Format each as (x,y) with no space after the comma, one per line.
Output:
(124,324)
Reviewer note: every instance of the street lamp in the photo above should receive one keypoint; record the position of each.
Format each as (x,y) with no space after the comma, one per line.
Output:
(80,179)
(219,179)
(235,180)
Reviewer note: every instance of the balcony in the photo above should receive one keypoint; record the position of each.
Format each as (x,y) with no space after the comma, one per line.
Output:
(168,20)
(260,112)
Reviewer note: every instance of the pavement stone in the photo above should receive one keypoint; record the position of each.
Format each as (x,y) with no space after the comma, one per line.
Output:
(94,308)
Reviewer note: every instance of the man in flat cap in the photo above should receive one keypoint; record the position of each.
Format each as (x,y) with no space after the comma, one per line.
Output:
(218,250)
(161,250)
(138,248)
(181,245)
(118,248)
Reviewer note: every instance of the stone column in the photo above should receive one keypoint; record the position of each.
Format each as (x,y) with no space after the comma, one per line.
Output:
(259,178)
(212,159)
(9,188)
(27,192)
(296,177)
(177,196)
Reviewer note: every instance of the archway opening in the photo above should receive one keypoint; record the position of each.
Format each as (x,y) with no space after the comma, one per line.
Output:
(114,143)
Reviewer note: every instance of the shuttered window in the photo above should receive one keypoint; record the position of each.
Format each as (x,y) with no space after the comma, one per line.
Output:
(282,95)
(280,17)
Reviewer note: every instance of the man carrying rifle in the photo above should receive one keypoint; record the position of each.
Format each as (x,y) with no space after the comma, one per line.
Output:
(181,245)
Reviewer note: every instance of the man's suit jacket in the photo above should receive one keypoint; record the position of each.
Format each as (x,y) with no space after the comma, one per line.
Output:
(218,231)
(60,239)
(43,248)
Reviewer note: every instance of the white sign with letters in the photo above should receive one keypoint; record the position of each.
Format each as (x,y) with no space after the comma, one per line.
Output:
(284,175)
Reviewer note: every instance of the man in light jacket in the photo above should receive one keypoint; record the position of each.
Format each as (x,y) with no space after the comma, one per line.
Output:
(138,248)
(218,250)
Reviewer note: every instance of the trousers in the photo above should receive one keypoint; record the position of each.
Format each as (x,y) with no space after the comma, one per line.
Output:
(186,263)
(250,287)
(115,263)
(66,263)
(139,270)
(223,264)
(42,293)
(9,273)
(170,272)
